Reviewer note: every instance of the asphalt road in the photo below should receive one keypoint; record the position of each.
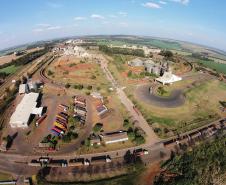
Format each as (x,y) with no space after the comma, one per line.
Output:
(174,100)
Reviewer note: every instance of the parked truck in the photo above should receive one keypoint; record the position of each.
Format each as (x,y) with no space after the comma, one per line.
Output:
(40,120)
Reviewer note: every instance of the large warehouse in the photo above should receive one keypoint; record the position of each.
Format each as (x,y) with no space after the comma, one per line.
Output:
(21,117)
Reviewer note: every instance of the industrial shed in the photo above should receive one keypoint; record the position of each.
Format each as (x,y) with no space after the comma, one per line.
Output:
(21,117)
(23,88)
(114,137)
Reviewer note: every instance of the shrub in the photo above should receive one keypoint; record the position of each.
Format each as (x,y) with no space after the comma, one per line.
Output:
(97,127)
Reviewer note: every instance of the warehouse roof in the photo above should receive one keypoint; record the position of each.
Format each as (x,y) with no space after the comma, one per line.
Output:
(24,109)
(23,88)
(168,78)
(115,137)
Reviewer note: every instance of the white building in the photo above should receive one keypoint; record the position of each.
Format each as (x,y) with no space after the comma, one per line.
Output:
(23,88)
(115,137)
(168,78)
(28,106)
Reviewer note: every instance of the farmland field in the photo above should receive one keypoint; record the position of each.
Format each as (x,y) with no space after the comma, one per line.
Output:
(148,42)
(10,69)
(219,67)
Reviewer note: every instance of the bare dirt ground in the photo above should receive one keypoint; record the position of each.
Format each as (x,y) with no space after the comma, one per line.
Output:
(70,69)
(148,176)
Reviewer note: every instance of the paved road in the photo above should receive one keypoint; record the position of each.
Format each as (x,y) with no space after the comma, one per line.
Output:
(174,100)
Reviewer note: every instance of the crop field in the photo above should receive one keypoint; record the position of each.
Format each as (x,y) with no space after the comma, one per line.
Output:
(201,106)
(10,69)
(164,44)
(219,67)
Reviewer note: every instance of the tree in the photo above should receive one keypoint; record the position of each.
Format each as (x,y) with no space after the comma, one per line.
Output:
(49,73)
(97,127)
(87,142)
(67,85)
(131,136)
(166,53)
(129,74)
(139,140)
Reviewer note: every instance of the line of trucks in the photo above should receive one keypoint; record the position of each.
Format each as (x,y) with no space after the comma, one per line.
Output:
(80,109)
(60,124)
(76,162)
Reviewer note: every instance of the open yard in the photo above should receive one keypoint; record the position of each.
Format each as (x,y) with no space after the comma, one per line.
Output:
(75,71)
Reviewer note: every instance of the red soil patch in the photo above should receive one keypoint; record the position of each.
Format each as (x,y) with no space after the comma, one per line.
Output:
(149,176)
(76,67)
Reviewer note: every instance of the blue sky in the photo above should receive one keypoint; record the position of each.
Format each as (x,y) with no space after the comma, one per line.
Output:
(198,21)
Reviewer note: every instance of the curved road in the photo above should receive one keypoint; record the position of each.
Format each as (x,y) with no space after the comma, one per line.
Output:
(174,100)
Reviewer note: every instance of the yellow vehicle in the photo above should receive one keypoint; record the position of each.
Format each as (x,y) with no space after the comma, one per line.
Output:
(60,126)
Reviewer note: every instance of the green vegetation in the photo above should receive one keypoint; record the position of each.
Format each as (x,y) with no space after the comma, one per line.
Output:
(218,67)
(162,92)
(26,58)
(167,54)
(124,51)
(97,127)
(49,73)
(163,44)
(133,172)
(136,135)
(5,177)
(9,69)
(204,165)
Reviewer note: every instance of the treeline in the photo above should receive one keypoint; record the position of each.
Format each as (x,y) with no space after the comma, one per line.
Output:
(26,58)
(206,165)
(23,60)
(124,51)
(201,57)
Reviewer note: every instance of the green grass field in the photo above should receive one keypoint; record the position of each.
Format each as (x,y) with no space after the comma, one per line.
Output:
(215,66)
(10,69)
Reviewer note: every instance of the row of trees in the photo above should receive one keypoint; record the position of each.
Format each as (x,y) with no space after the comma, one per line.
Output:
(124,51)
(26,58)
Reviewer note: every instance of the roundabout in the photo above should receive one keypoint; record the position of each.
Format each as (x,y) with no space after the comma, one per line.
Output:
(146,94)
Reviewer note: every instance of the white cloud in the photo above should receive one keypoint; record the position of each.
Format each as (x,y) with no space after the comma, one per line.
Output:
(54,28)
(123,13)
(97,16)
(45,27)
(105,22)
(80,18)
(162,2)
(123,24)
(54,5)
(151,5)
(113,16)
(38,30)
(184,2)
